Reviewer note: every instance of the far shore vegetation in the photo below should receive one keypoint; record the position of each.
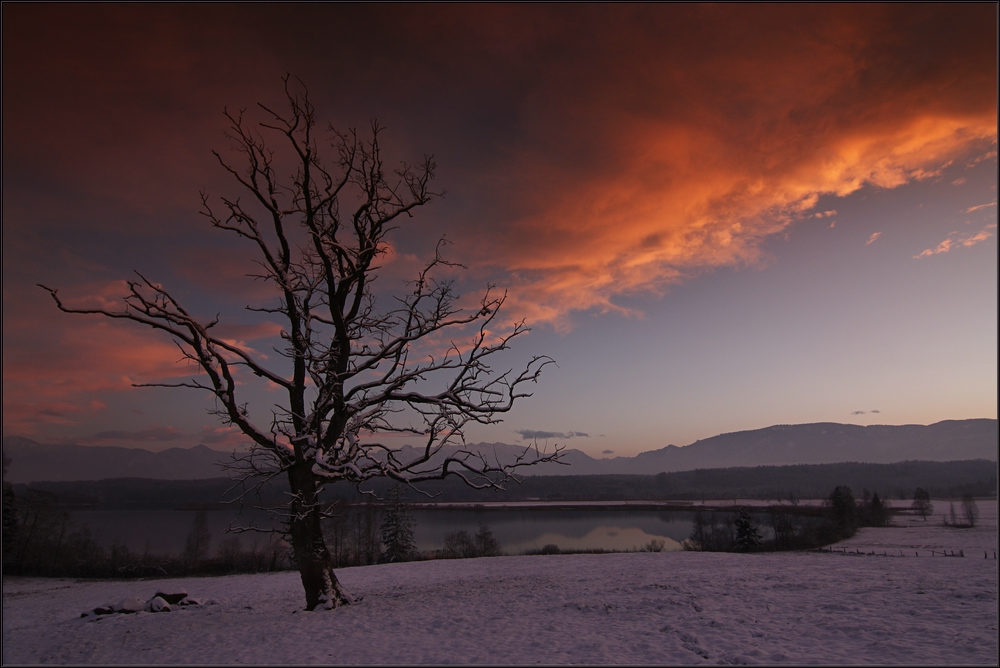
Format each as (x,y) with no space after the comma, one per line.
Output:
(41,539)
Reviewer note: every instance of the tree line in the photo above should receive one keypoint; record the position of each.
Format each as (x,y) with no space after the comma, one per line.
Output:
(899,481)
(781,528)
(40,538)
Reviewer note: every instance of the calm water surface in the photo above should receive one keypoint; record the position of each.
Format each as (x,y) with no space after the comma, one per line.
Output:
(517,530)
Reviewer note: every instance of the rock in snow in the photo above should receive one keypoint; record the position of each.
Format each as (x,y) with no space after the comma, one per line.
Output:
(157,604)
(160,602)
(130,604)
(172,598)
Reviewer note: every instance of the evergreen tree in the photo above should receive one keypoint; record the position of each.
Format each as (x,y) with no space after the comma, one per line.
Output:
(9,512)
(486,544)
(198,539)
(877,512)
(747,536)
(397,528)
(843,510)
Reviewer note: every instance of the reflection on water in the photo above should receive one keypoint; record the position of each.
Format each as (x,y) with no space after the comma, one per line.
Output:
(606,538)
(516,529)
(161,531)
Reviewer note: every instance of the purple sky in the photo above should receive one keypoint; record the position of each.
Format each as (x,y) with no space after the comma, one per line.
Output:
(715,217)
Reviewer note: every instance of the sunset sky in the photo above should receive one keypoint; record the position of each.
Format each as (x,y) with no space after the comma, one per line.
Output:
(714,217)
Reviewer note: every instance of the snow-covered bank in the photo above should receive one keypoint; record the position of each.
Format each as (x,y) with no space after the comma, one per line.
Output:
(678,607)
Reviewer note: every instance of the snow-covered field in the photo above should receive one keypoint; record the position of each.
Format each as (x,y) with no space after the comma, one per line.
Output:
(668,607)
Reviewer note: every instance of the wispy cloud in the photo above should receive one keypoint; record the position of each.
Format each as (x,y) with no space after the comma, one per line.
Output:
(980,206)
(532,434)
(159,434)
(225,436)
(980,158)
(957,240)
(873,238)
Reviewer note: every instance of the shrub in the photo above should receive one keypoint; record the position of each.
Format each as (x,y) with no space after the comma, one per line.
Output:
(459,545)
(970,511)
(655,545)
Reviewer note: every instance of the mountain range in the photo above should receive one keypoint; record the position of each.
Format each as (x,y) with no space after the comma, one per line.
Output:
(818,443)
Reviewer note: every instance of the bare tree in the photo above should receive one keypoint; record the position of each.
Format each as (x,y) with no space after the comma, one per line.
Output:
(354,371)
(970,511)
(922,503)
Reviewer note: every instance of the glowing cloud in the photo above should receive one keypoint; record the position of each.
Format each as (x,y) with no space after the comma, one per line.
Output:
(956,240)
(695,161)
(531,434)
(980,206)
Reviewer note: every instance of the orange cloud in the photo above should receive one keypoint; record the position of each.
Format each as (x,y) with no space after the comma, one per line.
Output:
(156,434)
(695,157)
(601,150)
(63,361)
(651,226)
(980,206)
(957,240)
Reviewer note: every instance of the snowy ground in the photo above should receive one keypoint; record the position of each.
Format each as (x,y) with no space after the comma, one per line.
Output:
(678,607)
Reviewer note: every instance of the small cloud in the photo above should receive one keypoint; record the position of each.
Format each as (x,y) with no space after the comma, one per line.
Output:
(607,452)
(980,206)
(985,156)
(229,436)
(825,214)
(833,224)
(959,181)
(875,410)
(955,240)
(872,238)
(858,413)
(532,434)
(153,434)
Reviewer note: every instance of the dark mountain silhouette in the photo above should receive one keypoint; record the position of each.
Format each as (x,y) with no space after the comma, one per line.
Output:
(31,461)
(822,443)
(819,443)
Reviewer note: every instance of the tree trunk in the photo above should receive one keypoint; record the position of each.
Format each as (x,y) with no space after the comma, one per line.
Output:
(315,567)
